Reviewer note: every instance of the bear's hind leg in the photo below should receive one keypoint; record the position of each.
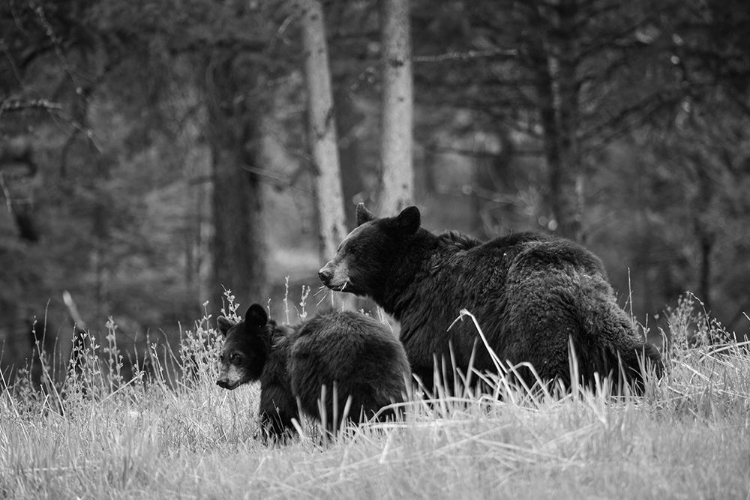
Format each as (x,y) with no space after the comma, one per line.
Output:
(538,324)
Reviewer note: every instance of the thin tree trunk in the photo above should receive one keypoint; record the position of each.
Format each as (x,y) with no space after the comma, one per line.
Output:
(396,127)
(704,285)
(101,231)
(703,228)
(322,129)
(348,117)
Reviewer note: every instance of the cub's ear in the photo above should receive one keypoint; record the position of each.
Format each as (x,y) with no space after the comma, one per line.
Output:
(408,220)
(363,215)
(224,324)
(256,316)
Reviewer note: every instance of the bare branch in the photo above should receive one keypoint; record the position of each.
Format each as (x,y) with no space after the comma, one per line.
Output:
(471,153)
(24,104)
(466,56)
(628,119)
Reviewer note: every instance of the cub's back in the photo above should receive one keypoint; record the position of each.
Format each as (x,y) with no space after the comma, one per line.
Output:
(358,354)
(348,345)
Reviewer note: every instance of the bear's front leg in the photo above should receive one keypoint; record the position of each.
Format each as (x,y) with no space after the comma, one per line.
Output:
(275,427)
(277,410)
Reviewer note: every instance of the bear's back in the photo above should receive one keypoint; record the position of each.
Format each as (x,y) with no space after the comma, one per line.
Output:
(528,292)
(546,251)
(472,270)
(558,253)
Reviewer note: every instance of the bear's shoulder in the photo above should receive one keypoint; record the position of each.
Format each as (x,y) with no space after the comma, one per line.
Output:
(520,240)
(538,250)
(454,240)
(458,240)
(503,247)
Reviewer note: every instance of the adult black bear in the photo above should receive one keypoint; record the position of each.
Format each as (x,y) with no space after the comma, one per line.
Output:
(532,295)
(347,352)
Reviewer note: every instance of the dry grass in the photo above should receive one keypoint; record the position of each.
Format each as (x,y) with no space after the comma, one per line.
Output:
(100,437)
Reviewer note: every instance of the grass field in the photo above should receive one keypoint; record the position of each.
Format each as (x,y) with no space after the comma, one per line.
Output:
(156,437)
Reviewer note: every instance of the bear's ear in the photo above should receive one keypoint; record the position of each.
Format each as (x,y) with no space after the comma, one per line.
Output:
(224,324)
(408,220)
(256,316)
(363,215)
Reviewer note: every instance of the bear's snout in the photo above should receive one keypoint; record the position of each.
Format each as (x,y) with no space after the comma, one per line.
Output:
(335,275)
(325,275)
(223,383)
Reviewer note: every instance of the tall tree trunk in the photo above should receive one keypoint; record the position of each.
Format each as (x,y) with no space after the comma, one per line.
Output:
(569,118)
(559,98)
(396,126)
(239,240)
(238,243)
(322,129)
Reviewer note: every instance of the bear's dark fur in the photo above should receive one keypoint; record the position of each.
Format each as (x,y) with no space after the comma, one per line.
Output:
(532,295)
(348,352)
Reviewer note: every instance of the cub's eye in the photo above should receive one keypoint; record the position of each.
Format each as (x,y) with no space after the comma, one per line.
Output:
(235,357)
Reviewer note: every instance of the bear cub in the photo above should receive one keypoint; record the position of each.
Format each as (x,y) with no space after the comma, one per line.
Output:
(355,357)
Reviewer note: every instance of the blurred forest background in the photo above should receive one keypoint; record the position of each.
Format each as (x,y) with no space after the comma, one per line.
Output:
(153,151)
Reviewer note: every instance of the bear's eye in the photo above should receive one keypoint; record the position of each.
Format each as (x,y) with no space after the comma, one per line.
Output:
(235,357)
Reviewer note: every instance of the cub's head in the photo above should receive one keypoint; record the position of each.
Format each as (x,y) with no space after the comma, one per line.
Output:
(246,348)
(364,259)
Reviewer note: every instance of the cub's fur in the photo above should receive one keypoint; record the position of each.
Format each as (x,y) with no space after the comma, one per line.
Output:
(356,358)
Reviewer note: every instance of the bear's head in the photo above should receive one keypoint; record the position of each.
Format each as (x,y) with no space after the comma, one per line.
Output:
(246,348)
(364,259)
